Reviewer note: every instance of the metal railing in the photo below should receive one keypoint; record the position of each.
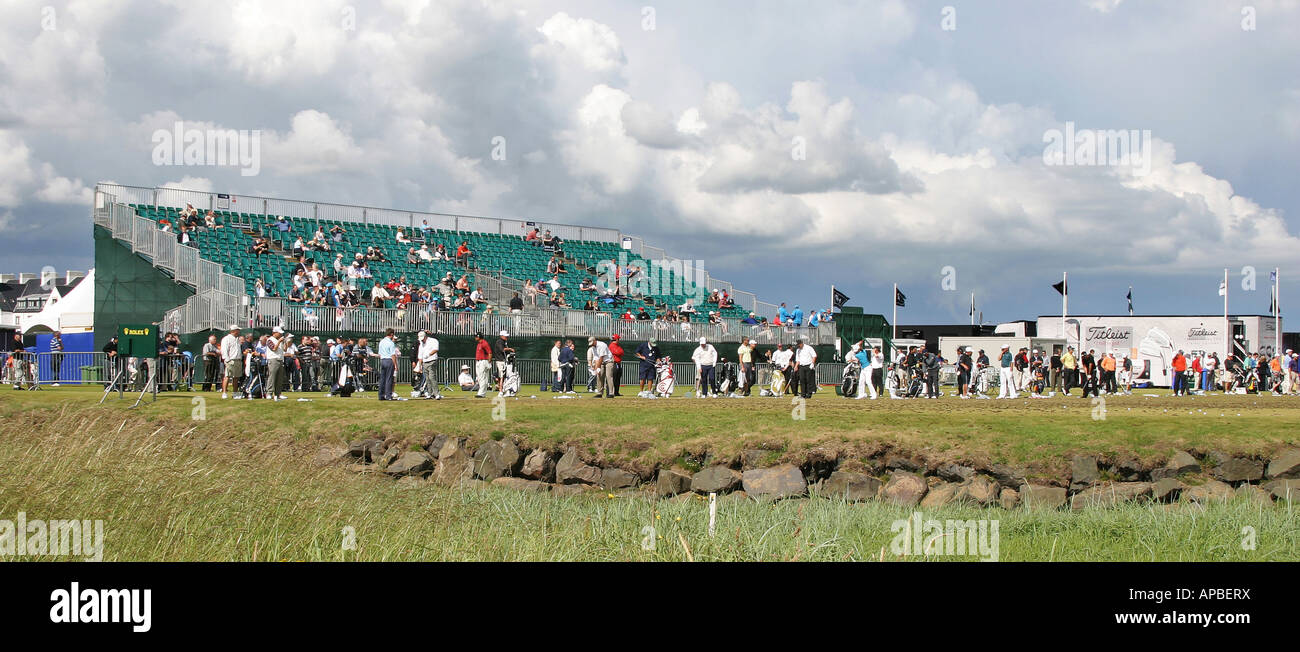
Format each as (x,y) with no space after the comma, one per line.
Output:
(294,317)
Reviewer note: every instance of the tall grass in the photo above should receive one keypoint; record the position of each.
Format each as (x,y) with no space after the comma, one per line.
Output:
(166,492)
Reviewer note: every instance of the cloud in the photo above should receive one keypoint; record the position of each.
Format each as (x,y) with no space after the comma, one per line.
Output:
(593,45)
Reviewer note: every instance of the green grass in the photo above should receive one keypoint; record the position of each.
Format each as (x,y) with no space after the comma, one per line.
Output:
(242,486)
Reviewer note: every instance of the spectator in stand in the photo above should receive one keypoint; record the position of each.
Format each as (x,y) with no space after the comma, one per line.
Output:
(532,236)
(401,237)
(463,253)
(642,315)
(796,317)
(282,225)
(516,304)
(378,295)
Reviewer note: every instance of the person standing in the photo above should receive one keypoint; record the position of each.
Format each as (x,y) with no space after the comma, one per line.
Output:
(616,358)
(482,364)
(274,356)
(556,381)
(705,358)
(232,355)
(56,355)
(567,360)
(964,367)
(864,372)
(598,363)
(648,354)
(1179,381)
(1070,367)
(1007,384)
(211,362)
(745,355)
(1054,366)
(932,363)
(1108,373)
(427,358)
(500,349)
(806,360)
(388,355)
(877,371)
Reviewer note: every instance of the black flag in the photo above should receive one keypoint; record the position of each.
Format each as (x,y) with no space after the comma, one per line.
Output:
(1060,287)
(1272,301)
(900,299)
(1130,301)
(838,299)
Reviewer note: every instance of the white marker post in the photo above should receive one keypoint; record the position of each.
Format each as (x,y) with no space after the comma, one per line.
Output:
(713,511)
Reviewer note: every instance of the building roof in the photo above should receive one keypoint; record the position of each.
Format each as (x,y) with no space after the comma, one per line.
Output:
(12,291)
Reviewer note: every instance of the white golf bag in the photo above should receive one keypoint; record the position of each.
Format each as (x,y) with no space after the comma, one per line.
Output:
(664,381)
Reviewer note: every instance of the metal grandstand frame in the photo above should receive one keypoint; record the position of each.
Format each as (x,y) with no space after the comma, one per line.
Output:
(221,299)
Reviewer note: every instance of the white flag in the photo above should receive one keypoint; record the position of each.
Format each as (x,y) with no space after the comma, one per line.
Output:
(1223,288)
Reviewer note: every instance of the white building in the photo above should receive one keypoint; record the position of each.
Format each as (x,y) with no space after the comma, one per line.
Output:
(1153,340)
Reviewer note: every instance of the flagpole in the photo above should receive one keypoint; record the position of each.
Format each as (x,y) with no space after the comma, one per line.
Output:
(1277,311)
(894,322)
(1130,301)
(972,308)
(1227,327)
(1065,304)
(832,298)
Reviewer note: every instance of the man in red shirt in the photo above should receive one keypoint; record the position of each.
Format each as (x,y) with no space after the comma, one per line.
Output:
(1179,383)
(616,352)
(482,364)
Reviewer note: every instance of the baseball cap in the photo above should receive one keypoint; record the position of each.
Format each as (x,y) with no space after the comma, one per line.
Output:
(505,334)
(233,327)
(616,336)
(1006,346)
(703,341)
(277,329)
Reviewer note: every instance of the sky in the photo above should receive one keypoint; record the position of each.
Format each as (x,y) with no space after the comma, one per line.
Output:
(787,145)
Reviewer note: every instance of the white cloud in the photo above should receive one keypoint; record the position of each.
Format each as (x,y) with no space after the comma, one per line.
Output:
(593,45)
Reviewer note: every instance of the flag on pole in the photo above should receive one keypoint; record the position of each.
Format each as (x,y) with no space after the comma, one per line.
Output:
(1060,287)
(1272,301)
(838,299)
(972,304)
(900,299)
(1223,288)
(1130,301)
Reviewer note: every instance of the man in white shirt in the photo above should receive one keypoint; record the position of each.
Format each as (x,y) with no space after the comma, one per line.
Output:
(705,358)
(781,359)
(600,363)
(555,366)
(275,345)
(427,365)
(378,295)
(231,358)
(424,254)
(805,359)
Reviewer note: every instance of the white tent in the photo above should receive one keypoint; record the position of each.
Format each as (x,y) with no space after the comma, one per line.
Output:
(73,313)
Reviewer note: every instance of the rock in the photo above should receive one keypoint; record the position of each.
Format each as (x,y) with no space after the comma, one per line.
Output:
(1128,469)
(1239,469)
(1182,462)
(853,487)
(1166,489)
(1284,489)
(979,490)
(900,463)
(412,463)
(904,488)
(435,446)
(375,451)
(1036,496)
(1083,472)
(1212,490)
(751,458)
(719,479)
(1253,492)
(538,465)
(521,484)
(673,481)
(1285,465)
(616,478)
(1109,495)
(940,495)
(1007,476)
(776,482)
(1216,458)
(362,449)
(496,459)
(954,472)
(1009,498)
(331,455)
(572,470)
(390,456)
(454,464)
(821,463)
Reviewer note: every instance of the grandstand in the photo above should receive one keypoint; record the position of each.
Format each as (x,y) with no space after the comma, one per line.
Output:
(225,273)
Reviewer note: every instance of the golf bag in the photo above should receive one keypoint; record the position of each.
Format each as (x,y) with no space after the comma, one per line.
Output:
(510,384)
(849,381)
(664,381)
(916,382)
(254,387)
(726,378)
(343,385)
(778,381)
